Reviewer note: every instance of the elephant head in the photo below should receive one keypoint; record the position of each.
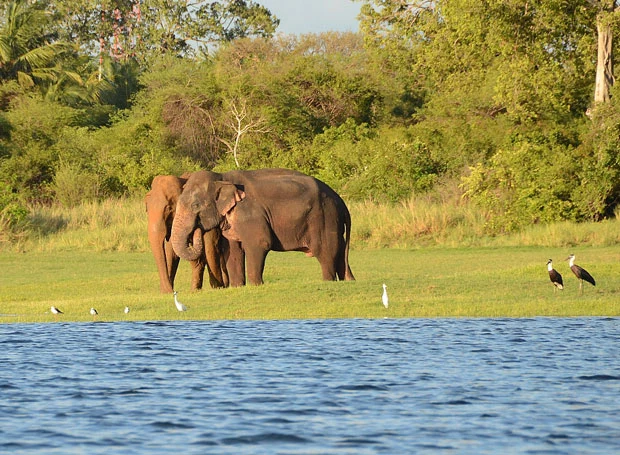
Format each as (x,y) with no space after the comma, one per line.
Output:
(205,203)
(160,207)
(161,203)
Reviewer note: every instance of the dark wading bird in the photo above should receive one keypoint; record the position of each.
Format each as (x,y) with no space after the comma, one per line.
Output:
(581,273)
(55,311)
(555,276)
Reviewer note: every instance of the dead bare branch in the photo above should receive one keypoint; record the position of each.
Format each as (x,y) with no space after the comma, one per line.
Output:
(240,123)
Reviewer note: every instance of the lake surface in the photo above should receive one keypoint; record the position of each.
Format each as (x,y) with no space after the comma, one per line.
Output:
(393,386)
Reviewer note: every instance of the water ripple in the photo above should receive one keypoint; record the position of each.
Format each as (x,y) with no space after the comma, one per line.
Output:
(600,377)
(538,385)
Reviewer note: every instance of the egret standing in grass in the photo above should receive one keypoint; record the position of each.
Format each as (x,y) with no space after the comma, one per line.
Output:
(55,311)
(178,304)
(581,273)
(126,310)
(384,297)
(94,313)
(555,276)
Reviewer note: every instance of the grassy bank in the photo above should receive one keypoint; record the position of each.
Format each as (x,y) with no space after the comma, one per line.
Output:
(431,282)
(435,259)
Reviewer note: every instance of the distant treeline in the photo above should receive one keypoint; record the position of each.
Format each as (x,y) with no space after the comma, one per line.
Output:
(492,98)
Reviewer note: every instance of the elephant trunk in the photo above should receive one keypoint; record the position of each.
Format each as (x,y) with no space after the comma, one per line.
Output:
(186,245)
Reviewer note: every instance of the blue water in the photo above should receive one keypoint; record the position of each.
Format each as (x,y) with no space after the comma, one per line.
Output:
(479,386)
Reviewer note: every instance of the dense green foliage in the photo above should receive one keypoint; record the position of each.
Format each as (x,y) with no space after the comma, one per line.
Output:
(96,98)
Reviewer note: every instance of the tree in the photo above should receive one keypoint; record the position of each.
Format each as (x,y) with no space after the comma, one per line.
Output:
(28,53)
(533,58)
(294,87)
(149,28)
(606,10)
(241,123)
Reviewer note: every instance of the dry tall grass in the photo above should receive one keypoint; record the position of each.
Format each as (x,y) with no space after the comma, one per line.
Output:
(110,225)
(120,225)
(414,223)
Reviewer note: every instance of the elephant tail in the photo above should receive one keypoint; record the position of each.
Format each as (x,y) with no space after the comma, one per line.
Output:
(348,274)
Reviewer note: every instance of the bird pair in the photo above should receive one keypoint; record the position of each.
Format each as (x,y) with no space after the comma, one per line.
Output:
(581,274)
(93,311)
(57,311)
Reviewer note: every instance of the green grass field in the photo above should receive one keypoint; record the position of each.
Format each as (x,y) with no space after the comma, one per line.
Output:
(431,282)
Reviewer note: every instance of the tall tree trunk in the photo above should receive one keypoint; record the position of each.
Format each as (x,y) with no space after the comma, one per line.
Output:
(604,65)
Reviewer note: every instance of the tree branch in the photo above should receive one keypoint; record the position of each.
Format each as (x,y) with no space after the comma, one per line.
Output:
(237,123)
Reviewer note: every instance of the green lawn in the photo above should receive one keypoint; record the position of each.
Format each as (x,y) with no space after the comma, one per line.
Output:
(433,282)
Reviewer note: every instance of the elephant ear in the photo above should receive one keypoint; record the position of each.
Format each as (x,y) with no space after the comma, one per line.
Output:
(227,196)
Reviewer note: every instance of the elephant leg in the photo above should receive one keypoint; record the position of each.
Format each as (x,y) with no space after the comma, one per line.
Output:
(172,264)
(329,273)
(328,268)
(198,271)
(215,276)
(224,249)
(162,253)
(256,264)
(235,263)
(341,269)
(327,255)
(225,278)
(215,263)
(332,256)
(341,265)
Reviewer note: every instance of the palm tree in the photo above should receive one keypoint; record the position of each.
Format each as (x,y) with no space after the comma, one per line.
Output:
(27,53)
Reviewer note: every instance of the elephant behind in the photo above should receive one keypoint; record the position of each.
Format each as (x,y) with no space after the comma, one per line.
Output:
(161,203)
(260,211)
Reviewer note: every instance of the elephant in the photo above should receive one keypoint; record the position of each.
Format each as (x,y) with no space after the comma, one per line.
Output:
(260,211)
(161,203)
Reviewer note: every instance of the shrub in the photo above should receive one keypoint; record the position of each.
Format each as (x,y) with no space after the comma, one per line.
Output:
(73,185)
(530,182)
(13,215)
(387,165)
(12,210)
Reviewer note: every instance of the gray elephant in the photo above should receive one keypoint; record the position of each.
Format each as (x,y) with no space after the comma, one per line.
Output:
(260,211)
(161,203)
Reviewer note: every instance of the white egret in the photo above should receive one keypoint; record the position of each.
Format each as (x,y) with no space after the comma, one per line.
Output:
(126,310)
(581,273)
(178,304)
(94,313)
(384,297)
(555,276)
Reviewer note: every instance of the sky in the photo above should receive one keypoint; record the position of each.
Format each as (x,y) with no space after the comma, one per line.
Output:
(314,16)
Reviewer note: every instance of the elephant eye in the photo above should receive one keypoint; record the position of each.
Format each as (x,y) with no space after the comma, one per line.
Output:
(195,206)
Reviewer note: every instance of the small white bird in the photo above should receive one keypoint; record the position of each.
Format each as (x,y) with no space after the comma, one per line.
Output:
(55,310)
(126,309)
(384,297)
(178,304)
(93,312)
